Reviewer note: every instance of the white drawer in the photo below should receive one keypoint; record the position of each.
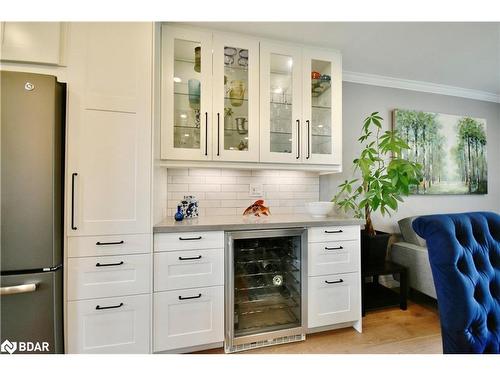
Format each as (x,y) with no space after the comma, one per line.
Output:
(108,245)
(325,258)
(333,299)
(109,325)
(188,241)
(334,233)
(188,317)
(96,277)
(188,269)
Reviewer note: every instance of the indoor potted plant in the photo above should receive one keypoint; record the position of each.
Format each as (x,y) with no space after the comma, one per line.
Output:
(385,178)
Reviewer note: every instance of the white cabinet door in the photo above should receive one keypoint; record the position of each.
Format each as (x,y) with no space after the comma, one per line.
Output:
(118,325)
(325,258)
(32,42)
(280,103)
(322,107)
(188,269)
(188,317)
(97,277)
(109,129)
(186,94)
(236,98)
(188,241)
(333,299)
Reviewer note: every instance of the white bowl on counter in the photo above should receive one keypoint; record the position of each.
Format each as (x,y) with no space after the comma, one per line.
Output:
(320,209)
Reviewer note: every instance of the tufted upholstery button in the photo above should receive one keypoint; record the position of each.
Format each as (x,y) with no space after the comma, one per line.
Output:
(464,253)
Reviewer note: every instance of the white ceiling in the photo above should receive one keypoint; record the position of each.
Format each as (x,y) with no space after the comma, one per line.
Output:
(461,54)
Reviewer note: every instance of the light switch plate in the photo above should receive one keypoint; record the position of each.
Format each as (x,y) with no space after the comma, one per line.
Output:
(256,190)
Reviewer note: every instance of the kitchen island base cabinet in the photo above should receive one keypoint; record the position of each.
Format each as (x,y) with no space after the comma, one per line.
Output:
(119,325)
(188,317)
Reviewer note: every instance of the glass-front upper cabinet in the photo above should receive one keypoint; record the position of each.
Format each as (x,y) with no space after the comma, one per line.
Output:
(280,103)
(236,98)
(186,94)
(322,107)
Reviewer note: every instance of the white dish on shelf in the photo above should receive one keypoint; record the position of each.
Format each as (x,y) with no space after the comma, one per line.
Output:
(320,209)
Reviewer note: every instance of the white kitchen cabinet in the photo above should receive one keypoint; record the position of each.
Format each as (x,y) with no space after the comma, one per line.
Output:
(117,325)
(322,106)
(109,129)
(236,98)
(188,317)
(33,42)
(325,258)
(186,94)
(188,241)
(108,245)
(333,299)
(109,276)
(280,103)
(301,99)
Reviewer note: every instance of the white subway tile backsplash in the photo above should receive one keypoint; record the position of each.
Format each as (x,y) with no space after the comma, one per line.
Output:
(225,191)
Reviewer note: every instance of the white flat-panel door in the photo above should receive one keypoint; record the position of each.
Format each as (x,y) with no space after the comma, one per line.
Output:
(236,98)
(118,325)
(109,129)
(186,94)
(333,299)
(322,107)
(188,317)
(280,103)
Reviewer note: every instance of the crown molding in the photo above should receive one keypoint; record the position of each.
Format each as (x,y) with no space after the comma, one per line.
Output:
(407,84)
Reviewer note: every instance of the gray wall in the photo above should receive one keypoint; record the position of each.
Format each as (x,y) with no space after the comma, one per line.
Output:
(360,100)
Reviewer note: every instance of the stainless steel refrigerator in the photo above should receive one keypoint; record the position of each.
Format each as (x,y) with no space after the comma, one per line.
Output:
(32,184)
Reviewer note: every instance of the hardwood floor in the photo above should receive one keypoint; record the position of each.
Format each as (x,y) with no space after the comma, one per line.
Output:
(386,331)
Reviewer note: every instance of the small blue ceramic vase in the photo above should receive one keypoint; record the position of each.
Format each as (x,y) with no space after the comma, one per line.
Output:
(179,215)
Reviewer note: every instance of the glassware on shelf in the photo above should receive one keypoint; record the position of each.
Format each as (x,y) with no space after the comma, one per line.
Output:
(197,59)
(237,92)
(241,125)
(194,88)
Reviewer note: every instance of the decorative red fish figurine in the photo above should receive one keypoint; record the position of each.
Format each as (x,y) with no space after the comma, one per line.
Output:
(257,209)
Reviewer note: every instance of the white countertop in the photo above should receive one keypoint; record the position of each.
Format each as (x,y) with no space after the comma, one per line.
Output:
(227,223)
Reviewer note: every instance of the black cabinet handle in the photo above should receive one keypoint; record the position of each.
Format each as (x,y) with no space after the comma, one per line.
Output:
(73,201)
(206,133)
(218,134)
(99,243)
(108,307)
(190,258)
(334,231)
(190,238)
(109,264)
(308,139)
(334,282)
(298,139)
(334,248)
(193,297)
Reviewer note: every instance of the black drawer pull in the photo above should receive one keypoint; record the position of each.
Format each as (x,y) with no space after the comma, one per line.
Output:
(193,297)
(108,307)
(334,231)
(334,248)
(99,243)
(190,238)
(334,282)
(109,264)
(190,258)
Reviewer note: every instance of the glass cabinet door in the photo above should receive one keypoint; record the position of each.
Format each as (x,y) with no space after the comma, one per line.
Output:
(236,98)
(322,107)
(186,94)
(280,90)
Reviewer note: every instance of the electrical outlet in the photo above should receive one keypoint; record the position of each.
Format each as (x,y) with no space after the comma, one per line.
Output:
(256,190)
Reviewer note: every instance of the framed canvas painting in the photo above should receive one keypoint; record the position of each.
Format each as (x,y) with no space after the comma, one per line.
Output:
(451,150)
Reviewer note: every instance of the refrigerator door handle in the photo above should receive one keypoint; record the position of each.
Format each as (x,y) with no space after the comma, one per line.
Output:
(17,289)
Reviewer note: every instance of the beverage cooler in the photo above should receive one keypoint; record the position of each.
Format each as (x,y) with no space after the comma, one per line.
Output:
(265,288)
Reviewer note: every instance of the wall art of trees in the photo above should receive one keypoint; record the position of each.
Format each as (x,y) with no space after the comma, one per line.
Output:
(451,149)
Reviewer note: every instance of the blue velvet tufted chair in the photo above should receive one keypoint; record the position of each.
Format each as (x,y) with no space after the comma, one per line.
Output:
(464,253)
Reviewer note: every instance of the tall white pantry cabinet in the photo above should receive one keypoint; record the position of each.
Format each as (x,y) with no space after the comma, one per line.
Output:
(108,198)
